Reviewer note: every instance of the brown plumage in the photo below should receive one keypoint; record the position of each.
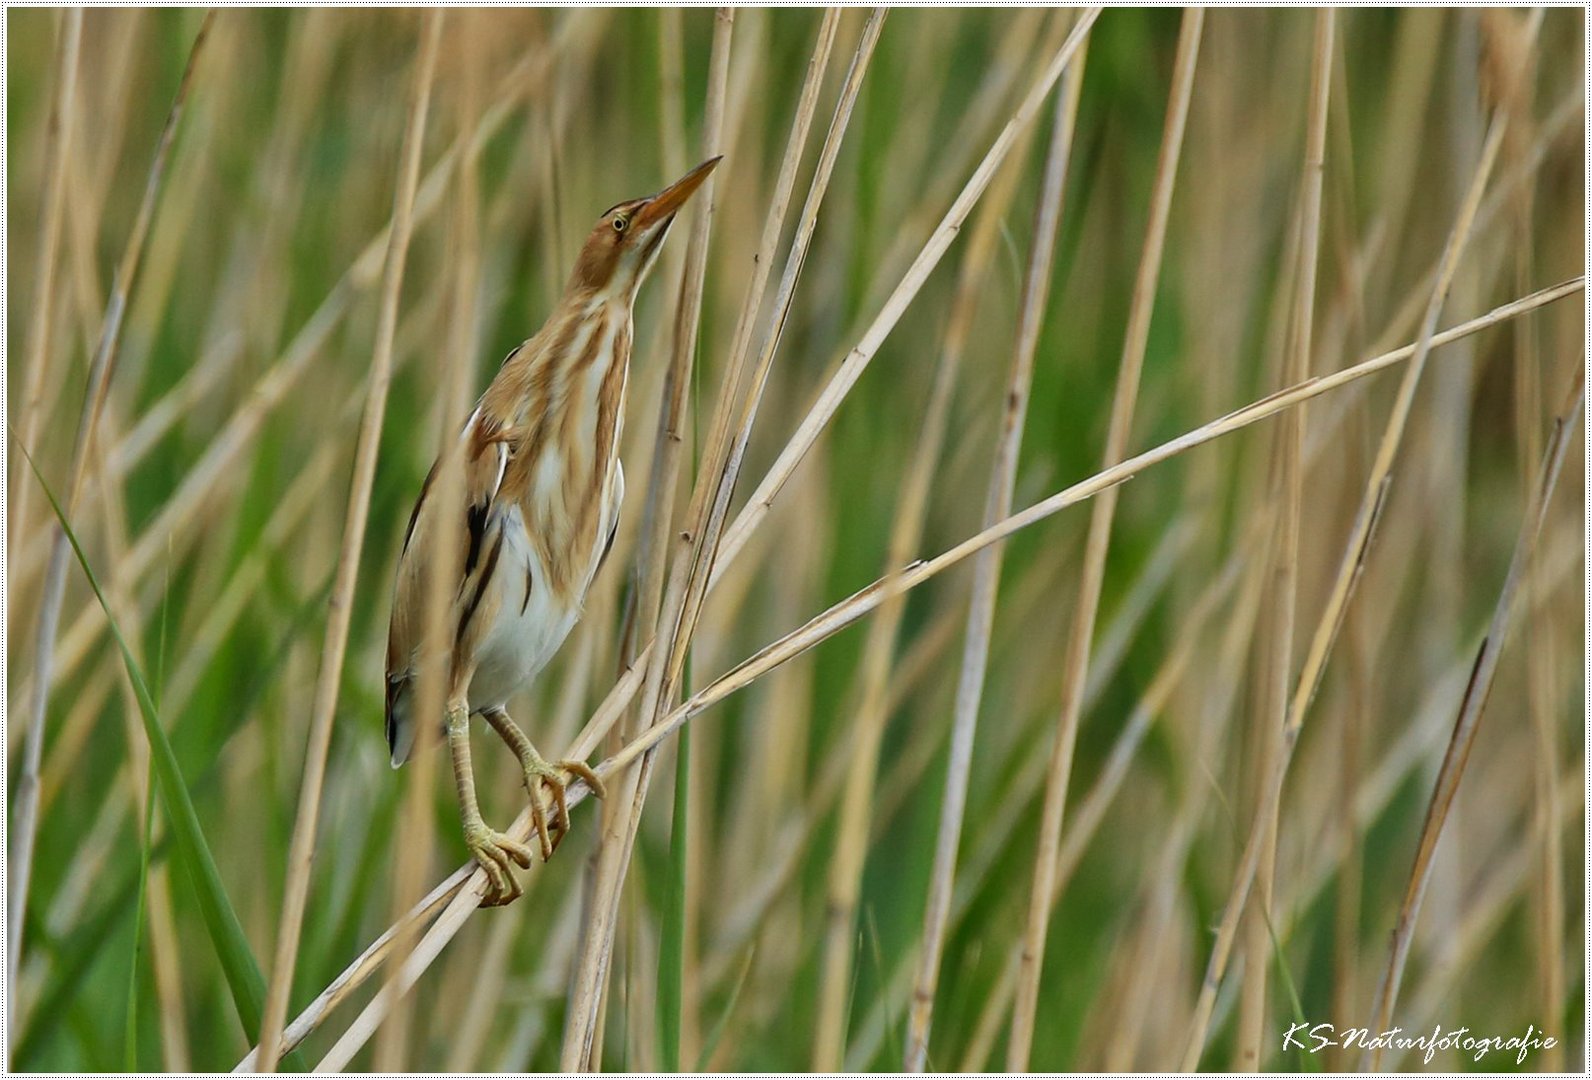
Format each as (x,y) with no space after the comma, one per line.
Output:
(542,489)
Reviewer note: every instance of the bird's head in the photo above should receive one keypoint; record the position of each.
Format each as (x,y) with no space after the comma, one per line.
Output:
(624,243)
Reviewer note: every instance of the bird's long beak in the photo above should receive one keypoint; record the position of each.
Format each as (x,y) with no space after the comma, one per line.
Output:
(663,205)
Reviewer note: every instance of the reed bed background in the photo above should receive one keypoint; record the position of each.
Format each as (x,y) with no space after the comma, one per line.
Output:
(1140,786)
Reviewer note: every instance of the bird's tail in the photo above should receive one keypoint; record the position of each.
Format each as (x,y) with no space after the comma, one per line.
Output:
(400,724)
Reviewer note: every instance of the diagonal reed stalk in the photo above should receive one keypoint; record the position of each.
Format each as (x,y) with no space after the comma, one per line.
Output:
(1347,577)
(301,852)
(24,809)
(848,611)
(1470,711)
(1285,573)
(1097,547)
(453,901)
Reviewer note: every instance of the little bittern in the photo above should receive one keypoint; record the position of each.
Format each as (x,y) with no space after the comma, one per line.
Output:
(539,464)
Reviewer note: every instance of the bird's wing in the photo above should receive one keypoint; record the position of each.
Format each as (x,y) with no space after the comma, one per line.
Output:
(485,449)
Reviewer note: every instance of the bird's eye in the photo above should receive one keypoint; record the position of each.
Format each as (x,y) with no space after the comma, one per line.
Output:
(620,224)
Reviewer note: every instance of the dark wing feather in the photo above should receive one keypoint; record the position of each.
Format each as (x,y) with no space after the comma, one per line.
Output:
(486,454)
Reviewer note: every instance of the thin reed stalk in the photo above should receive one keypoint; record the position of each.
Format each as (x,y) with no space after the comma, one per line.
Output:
(857,360)
(1502,35)
(1285,571)
(1098,544)
(301,853)
(1471,707)
(864,601)
(57,156)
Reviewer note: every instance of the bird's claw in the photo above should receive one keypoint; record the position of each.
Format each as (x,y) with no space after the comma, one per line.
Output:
(496,853)
(538,773)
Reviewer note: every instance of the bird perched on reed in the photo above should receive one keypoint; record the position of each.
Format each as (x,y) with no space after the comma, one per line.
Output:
(539,467)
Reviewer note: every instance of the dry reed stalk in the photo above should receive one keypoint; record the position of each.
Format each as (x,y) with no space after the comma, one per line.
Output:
(417,822)
(57,155)
(1470,710)
(1091,578)
(1215,713)
(1419,742)
(1347,576)
(986,572)
(726,447)
(1539,637)
(24,808)
(487,989)
(1487,903)
(301,852)
(1285,583)
(1347,898)
(663,485)
(582,1047)
(873,680)
(457,896)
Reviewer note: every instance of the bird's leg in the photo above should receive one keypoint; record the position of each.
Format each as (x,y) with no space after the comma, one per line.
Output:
(539,771)
(492,850)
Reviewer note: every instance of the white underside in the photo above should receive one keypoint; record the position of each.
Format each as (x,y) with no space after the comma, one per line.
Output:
(527,632)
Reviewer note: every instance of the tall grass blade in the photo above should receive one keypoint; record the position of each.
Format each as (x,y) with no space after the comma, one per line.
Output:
(671,949)
(221,920)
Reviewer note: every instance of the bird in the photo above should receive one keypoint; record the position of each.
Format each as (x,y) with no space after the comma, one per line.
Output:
(538,460)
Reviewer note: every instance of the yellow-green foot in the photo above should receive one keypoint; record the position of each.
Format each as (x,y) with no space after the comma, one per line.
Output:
(539,772)
(495,853)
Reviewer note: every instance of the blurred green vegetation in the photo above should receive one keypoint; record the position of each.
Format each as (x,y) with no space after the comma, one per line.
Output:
(285,168)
